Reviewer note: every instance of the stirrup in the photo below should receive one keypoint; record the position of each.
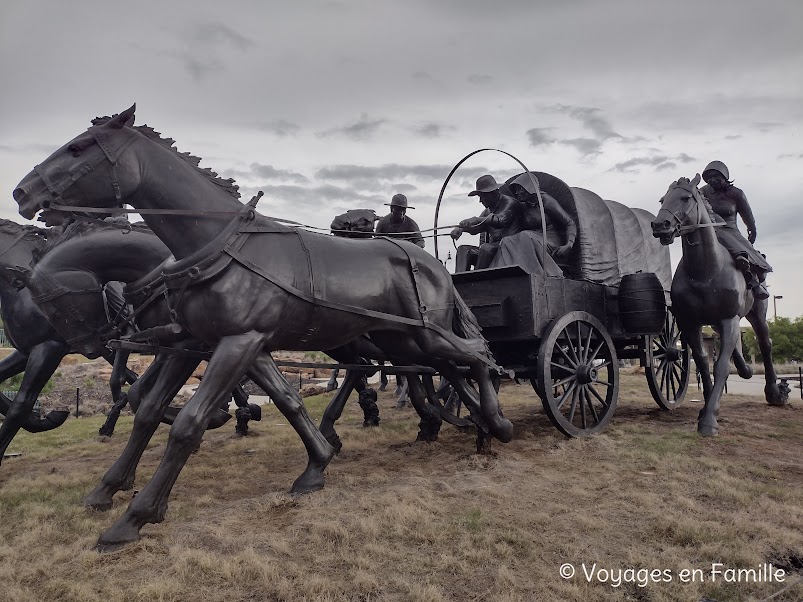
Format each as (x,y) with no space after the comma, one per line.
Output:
(760,292)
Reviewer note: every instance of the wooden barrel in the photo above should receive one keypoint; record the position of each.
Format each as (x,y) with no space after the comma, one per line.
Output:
(642,305)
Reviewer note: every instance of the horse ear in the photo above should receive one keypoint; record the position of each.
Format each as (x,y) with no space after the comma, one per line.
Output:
(123,119)
(696,180)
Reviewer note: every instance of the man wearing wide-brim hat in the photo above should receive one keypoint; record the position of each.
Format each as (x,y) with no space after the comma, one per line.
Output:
(503,216)
(397,224)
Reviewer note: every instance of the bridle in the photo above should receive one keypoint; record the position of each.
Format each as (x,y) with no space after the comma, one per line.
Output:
(113,148)
(699,208)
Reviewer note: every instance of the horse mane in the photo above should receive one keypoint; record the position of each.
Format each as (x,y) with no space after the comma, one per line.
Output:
(32,234)
(684,182)
(80,227)
(226,184)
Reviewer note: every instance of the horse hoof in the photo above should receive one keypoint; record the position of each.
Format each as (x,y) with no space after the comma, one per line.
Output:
(371,422)
(708,430)
(98,501)
(118,536)
(307,484)
(502,429)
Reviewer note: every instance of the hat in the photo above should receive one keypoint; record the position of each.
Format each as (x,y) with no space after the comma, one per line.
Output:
(399,200)
(485,184)
(717,166)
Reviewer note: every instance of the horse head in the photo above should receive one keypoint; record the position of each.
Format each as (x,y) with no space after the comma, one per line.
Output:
(680,207)
(91,170)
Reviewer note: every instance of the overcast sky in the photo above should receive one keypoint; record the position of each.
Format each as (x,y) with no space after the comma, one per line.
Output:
(334,105)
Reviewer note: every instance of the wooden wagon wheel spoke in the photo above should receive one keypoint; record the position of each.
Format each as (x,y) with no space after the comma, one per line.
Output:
(597,395)
(565,380)
(565,394)
(591,404)
(572,363)
(596,351)
(587,345)
(573,407)
(581,399)
(571,347)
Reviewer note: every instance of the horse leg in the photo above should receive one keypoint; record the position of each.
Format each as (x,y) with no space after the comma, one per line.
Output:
(42,363)
(399,386)
(402,392)
(335,408)
(10,366)
(367,399)
(383,379)
(743,369)
(757,316)
(332,384)
(694,337)
(430,424)
(728,334)
(116,382)
(231,358)
(149,397)
(267,375)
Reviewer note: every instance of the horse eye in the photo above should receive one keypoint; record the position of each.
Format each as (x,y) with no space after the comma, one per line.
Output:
(74,150)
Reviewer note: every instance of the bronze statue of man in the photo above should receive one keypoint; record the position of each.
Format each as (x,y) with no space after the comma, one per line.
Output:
(727,201)
(503,216)
(397,224)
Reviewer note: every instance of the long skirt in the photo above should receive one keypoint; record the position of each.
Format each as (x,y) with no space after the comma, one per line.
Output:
(526,249)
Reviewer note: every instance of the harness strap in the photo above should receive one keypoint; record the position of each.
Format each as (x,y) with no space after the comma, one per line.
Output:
(289,288)
(10,246)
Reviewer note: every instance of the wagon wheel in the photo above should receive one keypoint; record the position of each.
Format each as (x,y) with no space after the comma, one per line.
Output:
(578,374)
(668,365)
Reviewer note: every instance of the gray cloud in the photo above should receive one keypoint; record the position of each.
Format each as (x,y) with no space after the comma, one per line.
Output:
(540,137)
(266,172)
(205,46)
(790,156)
(432,129)
(363,129)
(766,126)
(279,127)
(480,79)
(591,119)
(586,146)
(658,162)
(217,34)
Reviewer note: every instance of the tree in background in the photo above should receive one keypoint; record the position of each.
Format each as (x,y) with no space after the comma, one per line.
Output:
(787,340)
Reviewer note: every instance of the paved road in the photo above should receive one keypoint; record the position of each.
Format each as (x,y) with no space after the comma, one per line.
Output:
(753,386)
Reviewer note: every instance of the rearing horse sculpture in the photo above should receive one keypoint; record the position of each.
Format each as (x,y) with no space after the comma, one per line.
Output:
(248,285)
(708,289)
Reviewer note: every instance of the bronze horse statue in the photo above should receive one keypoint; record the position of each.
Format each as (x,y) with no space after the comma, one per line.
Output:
(38,346)
(708,289)
(247,285)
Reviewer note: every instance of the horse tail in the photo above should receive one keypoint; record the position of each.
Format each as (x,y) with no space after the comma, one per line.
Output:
(465,325)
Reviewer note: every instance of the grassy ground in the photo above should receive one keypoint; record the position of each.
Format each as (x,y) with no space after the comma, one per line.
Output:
(425,522)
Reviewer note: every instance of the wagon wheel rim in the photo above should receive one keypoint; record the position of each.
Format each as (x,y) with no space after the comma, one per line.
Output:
(668,365)
(578,374)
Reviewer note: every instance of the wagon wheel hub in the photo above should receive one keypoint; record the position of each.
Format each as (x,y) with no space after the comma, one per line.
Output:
(672,354)
(586,373)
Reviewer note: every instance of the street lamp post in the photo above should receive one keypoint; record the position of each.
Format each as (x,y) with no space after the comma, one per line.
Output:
(775,307)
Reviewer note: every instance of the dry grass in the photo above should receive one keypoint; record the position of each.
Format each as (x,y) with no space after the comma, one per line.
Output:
(424,522)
